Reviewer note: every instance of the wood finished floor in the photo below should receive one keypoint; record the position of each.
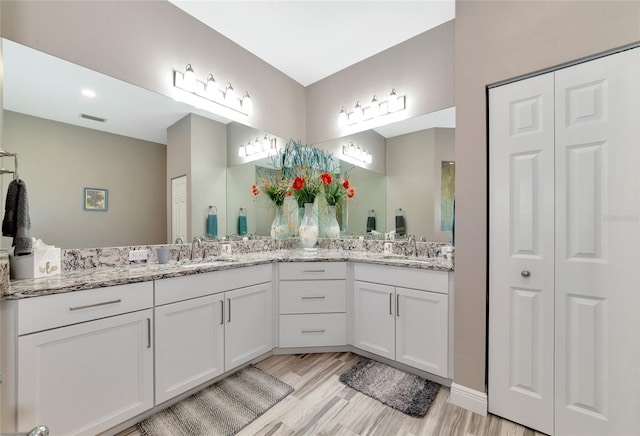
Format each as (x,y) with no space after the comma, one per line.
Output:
(321,405)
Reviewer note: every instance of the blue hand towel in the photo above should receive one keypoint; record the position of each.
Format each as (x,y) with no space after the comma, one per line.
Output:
(212,225)
(371,223)
(400,225)
(242,225)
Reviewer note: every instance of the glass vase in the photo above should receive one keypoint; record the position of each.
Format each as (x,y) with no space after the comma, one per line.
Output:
(308,228)
(279,228)
(332,228)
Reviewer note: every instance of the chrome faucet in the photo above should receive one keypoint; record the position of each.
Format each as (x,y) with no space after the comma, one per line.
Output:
(197,241)
(179,240)
(412,242)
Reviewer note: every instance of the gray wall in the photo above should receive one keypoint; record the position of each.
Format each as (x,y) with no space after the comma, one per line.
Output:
(421,67)
(57,161)
(497,40)
(142,42)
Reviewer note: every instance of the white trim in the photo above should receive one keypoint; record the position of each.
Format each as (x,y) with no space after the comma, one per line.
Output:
(469,399)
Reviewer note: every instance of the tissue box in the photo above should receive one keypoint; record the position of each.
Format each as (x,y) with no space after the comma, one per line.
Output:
(44,262)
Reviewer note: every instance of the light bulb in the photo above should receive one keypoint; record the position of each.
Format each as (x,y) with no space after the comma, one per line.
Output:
(242,151)
(247,104)
(189,80)
(342,117)
(211,88)
(375,107)
(230,95)
(393,101)
(357,112)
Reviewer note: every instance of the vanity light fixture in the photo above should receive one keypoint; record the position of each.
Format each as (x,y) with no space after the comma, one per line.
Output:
(355,152)
(266,146)
(210,91)
(377,109)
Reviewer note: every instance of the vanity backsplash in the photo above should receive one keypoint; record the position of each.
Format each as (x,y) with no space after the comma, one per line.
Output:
(86,258)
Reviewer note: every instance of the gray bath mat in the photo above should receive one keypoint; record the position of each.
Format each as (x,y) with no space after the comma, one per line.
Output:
(405,392)
(223,408)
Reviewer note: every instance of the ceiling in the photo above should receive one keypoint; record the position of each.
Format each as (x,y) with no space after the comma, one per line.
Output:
(310,40)
(318,49)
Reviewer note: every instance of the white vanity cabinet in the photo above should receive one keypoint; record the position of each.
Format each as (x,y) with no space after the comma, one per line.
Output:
(209,323)
(403,314)
(79,362)
(312,304)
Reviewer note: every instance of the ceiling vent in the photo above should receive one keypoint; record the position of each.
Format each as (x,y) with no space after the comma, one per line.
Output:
(92,118)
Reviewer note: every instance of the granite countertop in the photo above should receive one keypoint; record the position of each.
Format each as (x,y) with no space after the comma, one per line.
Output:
(118,275)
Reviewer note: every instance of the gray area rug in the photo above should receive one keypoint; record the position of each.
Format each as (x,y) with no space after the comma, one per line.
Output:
(408,393)
(223,408)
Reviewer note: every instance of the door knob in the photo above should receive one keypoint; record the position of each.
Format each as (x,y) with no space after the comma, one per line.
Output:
(525,273)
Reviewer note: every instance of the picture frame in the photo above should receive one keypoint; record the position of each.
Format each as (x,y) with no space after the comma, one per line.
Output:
(96,199)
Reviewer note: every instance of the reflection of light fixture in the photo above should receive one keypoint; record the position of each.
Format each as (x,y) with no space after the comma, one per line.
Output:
(88,93)
(260,146)
(210,91)
(377,109)
(355,152)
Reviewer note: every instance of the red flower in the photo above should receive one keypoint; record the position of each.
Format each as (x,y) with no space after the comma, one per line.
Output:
(254,189)
(298,183)
(326,178)
(351,192)
(346,183)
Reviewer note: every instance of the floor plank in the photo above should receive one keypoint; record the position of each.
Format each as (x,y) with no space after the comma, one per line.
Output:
(321,405)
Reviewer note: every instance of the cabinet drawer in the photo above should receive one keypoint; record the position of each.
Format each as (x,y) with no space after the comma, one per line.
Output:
(426,280)
(313,330)
(198,285)
(50,311)
(313,270)
(313,296)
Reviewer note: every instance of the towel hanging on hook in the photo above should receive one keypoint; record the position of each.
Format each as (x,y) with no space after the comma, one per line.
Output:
(212,222)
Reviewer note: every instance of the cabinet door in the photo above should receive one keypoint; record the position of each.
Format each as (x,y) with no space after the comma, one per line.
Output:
(85,378)
(422,330)
(374,320)
(189,345)
(248,329)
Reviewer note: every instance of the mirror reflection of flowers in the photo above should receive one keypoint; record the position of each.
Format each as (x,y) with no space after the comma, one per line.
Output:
(275,187)
(337,188)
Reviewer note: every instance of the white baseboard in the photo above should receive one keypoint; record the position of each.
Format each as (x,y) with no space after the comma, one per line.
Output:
(469,399)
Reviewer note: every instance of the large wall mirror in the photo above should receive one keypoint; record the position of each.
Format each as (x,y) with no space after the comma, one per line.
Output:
(117,141)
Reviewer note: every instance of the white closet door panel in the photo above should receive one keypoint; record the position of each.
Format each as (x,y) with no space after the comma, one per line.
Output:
(521,244)
(597,246)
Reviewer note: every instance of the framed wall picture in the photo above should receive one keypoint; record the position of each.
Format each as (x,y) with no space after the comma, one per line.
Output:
(96,199)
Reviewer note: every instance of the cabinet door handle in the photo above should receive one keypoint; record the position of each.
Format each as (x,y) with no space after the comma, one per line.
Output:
(390,302)
(312,331)
(221,311)
(148,332)
(88,306)
(313,271)
(229,319)
(319,297)
(397,305)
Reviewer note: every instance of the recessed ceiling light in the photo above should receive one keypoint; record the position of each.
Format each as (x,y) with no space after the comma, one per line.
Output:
(88,93)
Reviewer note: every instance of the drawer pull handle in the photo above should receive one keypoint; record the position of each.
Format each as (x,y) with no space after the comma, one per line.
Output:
(313,271)
(319,297)
(397,305)
(88,306)
(390,302)
(229,300)
(313,331)
(221,311)
(148,332)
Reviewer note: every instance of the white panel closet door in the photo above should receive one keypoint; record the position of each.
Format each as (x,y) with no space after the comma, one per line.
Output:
(597,246)
(521,248)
